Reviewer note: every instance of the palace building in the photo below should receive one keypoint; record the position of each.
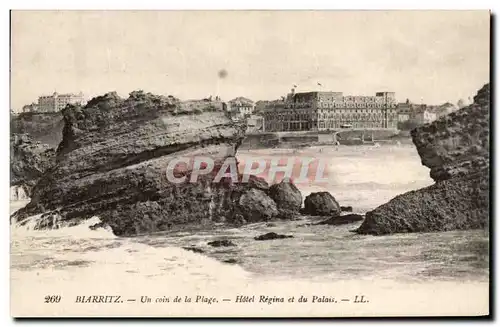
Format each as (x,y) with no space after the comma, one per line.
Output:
(331,110)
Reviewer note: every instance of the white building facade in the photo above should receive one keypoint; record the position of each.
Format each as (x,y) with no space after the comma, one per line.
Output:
(57,102)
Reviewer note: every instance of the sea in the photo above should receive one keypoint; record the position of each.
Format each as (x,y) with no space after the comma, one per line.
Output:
(439,273)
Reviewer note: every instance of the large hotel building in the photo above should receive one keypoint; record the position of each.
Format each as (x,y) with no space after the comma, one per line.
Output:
(57,102)
(319,111)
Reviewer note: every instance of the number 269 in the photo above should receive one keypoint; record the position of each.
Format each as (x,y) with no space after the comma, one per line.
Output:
(52,299)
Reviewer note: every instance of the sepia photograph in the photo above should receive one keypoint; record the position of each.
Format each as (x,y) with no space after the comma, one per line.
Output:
(250,163)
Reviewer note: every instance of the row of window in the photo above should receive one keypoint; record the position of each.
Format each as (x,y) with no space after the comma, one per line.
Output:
(381,105)
(356,98)
(357,116)
(353,124)
(356,105)
(342,111)
(355,110)
(326,125)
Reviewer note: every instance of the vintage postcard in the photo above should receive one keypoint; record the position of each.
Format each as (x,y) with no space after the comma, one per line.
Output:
(250,163)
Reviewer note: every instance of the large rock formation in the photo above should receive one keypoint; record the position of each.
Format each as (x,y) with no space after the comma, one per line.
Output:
(256,205)
(29,160)
(457,150)
(112,162)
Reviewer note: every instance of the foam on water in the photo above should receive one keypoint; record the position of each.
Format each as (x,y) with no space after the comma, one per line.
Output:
(82,230)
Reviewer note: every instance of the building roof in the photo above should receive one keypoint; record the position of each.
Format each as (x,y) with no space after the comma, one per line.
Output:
(241,101)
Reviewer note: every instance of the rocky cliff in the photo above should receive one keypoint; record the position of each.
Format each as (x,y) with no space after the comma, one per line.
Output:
(29,160)
(456,148)
(112,162)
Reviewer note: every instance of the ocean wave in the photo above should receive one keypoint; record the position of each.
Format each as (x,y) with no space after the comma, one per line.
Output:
(26,228)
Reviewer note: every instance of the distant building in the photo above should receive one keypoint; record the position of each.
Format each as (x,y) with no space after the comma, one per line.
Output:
(331,110)
(30,107)
(255,123)
(241,107)
(445,109)
(261,105)
(405,111)
(56,102)
(424,115)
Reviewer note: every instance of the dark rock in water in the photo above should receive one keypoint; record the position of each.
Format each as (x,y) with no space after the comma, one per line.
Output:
(271,236)
(230,261)
(446,205)
(456,149)
(270,225)
(286,195)
(193,249)
(219,243)
(346,208)
(29,160)
(288,214)
(257,206)
(321,204)
(341,220)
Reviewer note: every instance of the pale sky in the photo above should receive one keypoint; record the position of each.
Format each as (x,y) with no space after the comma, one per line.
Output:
(431,56)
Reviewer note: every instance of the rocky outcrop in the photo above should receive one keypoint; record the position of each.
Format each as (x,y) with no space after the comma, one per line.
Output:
(457,144)
(29,160)
(257,206)
(232,261)
(45,127)
(113,162)
(193,249)
(271,236)
(258,183)
(321,204)
(342,220)
(286,195)
(219,243)
(456,148)
(346,208)
(286,214)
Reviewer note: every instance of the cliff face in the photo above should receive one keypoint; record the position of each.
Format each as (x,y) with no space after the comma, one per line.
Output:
(44,127)
(456,148)
(457,144)
(29,160)
(34,138)
(112,162)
